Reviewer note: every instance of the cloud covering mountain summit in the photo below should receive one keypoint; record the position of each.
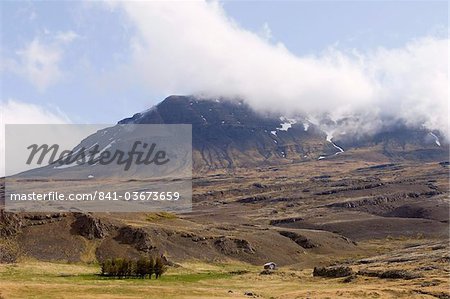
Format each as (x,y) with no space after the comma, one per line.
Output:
(195,48)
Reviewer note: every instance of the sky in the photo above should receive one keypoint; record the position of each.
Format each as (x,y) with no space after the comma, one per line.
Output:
(99,62)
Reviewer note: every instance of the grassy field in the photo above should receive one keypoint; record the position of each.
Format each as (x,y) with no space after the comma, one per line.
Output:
(191,280)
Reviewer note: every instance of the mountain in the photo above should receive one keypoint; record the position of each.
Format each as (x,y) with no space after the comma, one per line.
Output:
(229,133)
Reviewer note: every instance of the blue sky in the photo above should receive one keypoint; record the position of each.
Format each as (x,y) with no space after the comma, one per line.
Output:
(309,26)
(82,48)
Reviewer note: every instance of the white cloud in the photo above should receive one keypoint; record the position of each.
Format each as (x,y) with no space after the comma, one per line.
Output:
(39,61)
(194,47)
(66,36)
(17,112)
(412,82)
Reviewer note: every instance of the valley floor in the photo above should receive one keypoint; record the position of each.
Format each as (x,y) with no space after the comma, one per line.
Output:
(372,217)
(33,279)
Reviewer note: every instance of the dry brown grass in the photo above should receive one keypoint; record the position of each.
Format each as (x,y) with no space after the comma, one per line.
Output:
(198,280)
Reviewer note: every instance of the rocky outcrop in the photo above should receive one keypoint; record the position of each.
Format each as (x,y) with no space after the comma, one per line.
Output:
(9,252)
(137,237)
(254,199)
(285,220)
(299,239)
(382,199)
(10,224)
(41,219)
(332,272)
(90,227)
(231,246)
(354,188)
(390,274)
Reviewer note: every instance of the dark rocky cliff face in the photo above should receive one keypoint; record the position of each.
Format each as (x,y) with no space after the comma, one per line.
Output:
(230,134)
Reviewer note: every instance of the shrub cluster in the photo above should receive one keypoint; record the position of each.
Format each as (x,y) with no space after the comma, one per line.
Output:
(144,267)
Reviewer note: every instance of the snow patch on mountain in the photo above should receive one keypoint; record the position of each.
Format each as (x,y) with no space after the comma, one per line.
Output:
(286,123)
(341,150)
(66,165)
(306,126)
(330,140)
(436,139)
